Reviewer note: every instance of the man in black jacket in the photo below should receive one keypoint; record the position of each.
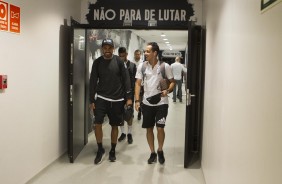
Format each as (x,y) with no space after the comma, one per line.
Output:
(109,85)
(132,71)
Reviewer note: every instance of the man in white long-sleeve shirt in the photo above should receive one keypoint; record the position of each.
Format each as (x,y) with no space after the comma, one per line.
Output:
(177,69)
(137,60)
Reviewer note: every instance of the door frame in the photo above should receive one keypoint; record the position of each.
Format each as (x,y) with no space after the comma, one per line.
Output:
(77,131)
(190,155)
(195,95)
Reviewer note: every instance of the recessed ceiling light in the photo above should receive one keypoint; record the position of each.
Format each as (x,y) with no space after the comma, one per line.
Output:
(165,39)
(162,34)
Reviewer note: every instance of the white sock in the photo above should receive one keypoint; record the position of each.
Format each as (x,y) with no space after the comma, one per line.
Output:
(122,129)
(130,129)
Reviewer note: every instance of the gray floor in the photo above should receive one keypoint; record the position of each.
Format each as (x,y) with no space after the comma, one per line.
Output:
(131,165)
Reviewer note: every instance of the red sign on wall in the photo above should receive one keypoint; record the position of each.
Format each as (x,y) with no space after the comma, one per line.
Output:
(15,19)
(3,16)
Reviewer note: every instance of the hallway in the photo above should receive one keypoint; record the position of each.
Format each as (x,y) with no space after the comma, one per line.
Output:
(131,165)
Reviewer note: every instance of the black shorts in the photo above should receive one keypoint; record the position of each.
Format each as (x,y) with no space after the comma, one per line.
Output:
(141,91)
(114,110)
(154,115)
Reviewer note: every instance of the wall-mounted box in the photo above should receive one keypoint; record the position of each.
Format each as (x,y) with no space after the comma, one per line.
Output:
(3,82)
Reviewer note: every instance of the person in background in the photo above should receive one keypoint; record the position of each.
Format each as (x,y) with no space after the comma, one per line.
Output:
(109,82)
(132,71)
(137,60)
(137,57)
(155,101)
(177,70)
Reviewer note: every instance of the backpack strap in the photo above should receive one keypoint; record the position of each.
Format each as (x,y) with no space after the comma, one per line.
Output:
(120,64)
(97,66)
(163,70)
(144,66)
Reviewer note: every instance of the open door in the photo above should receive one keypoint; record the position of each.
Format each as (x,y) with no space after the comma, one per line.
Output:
(77,136)
(195,94)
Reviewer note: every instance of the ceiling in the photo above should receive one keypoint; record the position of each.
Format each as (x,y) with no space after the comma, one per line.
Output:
(177,39)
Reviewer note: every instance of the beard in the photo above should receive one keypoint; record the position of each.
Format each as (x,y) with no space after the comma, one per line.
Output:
(108,55)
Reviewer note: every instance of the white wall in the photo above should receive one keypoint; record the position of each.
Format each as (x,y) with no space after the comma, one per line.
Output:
(243,93)
(32,134)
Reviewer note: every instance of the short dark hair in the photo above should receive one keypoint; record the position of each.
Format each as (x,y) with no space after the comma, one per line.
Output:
(122,50)
(137,51)
(155,46)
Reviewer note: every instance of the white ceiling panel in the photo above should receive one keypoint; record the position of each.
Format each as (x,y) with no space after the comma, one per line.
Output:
(177,39)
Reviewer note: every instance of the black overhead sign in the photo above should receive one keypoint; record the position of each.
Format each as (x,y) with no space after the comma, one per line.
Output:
(140,13)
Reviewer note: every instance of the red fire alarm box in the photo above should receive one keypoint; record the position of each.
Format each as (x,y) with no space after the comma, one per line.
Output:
(3,82)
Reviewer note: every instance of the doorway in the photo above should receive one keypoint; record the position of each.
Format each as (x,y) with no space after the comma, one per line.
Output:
(192,142)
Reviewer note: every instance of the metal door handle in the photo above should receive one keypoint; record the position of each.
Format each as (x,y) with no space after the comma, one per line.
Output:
(189,98)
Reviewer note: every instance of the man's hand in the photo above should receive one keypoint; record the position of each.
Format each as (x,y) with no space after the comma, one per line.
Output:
(128,102)
(92,106)
(137,106)
(164,93)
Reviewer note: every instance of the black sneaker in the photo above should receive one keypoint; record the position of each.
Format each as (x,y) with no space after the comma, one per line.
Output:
(178,96)
(112,156)
(139,116)
(153,158)
(99,156)
(129,139)
(161,157)
(122,137)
